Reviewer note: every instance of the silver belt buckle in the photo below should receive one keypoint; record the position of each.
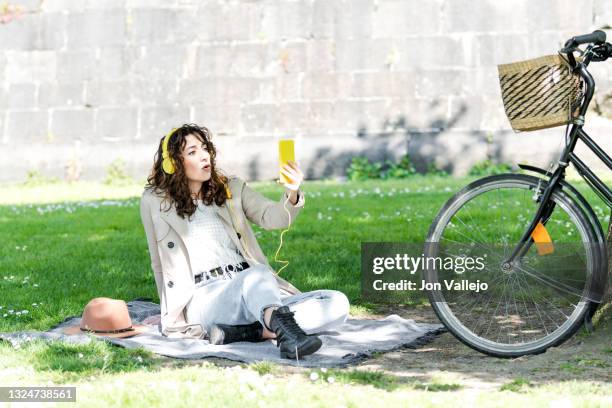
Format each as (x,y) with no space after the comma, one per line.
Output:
(229,269)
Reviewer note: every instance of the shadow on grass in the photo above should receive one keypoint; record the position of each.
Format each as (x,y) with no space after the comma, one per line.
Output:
(72,362)
(382,380)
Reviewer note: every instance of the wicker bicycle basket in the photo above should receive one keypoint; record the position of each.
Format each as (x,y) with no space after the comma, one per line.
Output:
(540,93)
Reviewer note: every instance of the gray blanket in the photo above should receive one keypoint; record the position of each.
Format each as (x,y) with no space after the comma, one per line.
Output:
(353,341)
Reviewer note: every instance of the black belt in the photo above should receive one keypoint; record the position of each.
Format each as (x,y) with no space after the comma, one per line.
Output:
(220,271)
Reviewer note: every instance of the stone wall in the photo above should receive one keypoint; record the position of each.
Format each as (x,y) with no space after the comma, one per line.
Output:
(87,82)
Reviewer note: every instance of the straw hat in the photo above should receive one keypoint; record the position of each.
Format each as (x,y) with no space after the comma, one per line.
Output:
(106,317)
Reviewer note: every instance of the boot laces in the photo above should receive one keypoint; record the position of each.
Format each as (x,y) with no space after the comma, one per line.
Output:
(288,324)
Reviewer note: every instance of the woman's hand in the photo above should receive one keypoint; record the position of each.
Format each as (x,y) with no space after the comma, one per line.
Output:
(292,171)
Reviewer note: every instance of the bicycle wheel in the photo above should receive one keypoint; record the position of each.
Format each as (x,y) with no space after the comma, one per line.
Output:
(531,305)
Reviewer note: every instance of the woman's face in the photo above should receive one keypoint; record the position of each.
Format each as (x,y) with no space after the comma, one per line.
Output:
(196,161)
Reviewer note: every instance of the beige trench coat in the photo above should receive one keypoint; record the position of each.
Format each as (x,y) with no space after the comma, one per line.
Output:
(170,253)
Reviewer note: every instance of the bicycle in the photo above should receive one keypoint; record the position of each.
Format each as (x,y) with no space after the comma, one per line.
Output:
(545,251)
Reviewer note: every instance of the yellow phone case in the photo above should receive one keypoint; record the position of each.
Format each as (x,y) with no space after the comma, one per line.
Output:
(286,152)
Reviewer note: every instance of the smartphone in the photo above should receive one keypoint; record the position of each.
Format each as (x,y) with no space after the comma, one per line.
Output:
(286,152)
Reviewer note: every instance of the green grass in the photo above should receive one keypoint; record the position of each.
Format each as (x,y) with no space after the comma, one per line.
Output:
(56,257)
(516,385)
(85,240)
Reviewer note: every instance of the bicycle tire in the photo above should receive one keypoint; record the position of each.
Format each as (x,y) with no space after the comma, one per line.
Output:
(441,306)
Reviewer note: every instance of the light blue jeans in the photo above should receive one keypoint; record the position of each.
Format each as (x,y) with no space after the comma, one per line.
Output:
(243,299)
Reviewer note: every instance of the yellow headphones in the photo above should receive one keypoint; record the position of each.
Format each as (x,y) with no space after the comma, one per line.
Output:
(167,163)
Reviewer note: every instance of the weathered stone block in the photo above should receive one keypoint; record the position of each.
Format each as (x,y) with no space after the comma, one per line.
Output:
(53,95)
(288,87)
(53,26)
(26,5)
(30,66)
(96,28)
(116,124)
(286,20)
(384,84)
(292,118)
(560,14)
(466,112)
(356,18)
(114,93)
(323,19)
(602,13)
(146,26)
(26,126)
(399,18)
(289,57)
(433,83)
(488,16)
(320,55)
(326,86)
(433,51)
(212,60)
(76,66)
(220,119)
(144,92)
(502,49)
(158,62)
(223,89)
(81,5)
(21,33)
(21,96)
(360,116)
(230,21)
(68,125)
(115,63)
(258,118)
(157,121)
(356,55)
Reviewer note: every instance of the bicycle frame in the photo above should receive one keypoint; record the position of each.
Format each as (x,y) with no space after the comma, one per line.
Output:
(568,156)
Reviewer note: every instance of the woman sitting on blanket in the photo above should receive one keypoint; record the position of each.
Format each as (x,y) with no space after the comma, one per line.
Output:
(212,278)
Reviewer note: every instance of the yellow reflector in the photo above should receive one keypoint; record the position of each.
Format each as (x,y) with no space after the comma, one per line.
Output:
(542,240)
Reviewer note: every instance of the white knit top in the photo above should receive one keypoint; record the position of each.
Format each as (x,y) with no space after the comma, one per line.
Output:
(208,234)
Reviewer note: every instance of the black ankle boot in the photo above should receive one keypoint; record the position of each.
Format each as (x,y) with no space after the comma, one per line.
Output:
(291,339)
(225,334)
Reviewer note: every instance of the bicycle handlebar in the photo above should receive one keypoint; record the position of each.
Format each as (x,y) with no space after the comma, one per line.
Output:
(596,37)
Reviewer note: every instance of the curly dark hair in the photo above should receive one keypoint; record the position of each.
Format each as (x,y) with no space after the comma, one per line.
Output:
(175,187)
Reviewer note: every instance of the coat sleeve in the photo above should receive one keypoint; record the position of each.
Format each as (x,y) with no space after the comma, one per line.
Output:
(147,222)
(267,213)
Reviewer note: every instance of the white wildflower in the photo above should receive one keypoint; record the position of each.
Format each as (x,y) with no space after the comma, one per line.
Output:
(314,376)
(323,369)
(80,355)
(331,380)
